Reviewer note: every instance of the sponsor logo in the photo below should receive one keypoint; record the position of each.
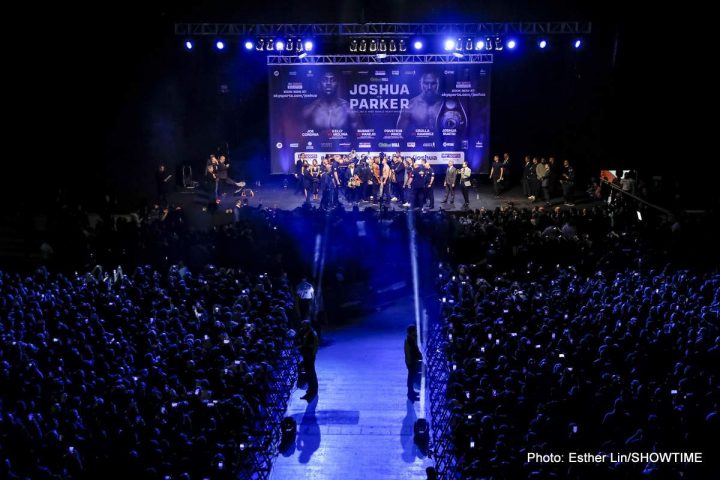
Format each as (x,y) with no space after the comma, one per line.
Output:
(409,72)
(463,85)
(364,145)
(389,145)
(293,73)
(345,144)
(411,144)
(326,145)
(449,72)
(395,72)
(451,155)
(294,145)
(478,144)
(309,143)
(276,73)
(448,144)
(278,145)
(380,73)
(430,144)
(363,72)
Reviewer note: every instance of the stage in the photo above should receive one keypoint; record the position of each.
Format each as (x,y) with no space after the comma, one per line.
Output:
(274,195)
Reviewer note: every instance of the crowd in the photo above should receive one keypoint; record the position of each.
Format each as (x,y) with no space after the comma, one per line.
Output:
(143,375)
(563,362)
(590,331)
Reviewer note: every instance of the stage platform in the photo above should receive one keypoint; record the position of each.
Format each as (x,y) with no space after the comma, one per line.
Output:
(274,195)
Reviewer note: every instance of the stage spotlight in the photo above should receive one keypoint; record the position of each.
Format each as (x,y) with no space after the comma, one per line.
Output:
(458,55)
(479,45)
(363,45)
(459,44)
(279,45)
(402,45)
(249,45)
(259,45)
(511,44)
(382,45)
(373,45)
(220,45)
(188,45)
(469,44)
(449,44)
(290,44)
(498,44)
(309,45)
(270,45)
(577,44)
(542,44)
(302,55)
(353,45)
(392,46)
(381,55)
(417,45)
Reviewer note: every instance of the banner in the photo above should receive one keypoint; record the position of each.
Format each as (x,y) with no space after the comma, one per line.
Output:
(439,112)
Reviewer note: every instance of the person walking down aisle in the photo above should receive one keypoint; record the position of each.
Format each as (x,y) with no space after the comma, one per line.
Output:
(413,357)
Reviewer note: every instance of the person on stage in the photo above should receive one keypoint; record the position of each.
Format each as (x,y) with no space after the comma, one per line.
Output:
(309,342)
(465,174)
(451,175)
(328,186)
(497,172)
(429,181)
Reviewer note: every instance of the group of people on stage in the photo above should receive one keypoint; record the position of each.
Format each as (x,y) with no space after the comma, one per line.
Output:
(377,179)
(217,176)
(537,175)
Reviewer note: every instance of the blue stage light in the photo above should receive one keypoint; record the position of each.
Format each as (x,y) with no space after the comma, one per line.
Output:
(249,45)
(578,43)
(542,43)
(188,45)
(309,46)
(479,45)
(279,45)
(511,44)
(418,45)
(220,45)
(449,44)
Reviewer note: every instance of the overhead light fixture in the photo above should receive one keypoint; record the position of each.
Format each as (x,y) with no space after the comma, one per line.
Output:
(363,45)
(353,45)
(259,45)
(392,46)
(373,45)
(382,45)
(402,45)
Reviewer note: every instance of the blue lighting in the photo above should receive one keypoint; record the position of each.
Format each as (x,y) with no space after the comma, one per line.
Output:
(479,45)
(449,44)
(279,45)
(309,46)
(542,44)
(249,45)
(511,44)
(418,45)
(220,45)
(188,45)
(578,43)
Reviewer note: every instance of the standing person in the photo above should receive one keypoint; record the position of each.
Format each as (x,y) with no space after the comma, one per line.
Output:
(508,174)
(542,172)
(567,181)
(450,178)
(413,357)
(496,174)
(534,182)
(314,171)
(299,180)
(327,184)
(528,174)
(465,174)
(429,180)
(399,183)
(384,180)
(418,185)
(351,182)
(308,349)
(162,179)
(305,294)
